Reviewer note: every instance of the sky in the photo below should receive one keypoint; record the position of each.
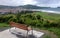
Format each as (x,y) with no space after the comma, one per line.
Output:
(43,3)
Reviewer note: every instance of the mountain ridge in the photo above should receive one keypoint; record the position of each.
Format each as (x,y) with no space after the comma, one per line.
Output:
(22,6)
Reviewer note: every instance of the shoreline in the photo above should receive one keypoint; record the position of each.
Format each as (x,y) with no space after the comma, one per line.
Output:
(48,11)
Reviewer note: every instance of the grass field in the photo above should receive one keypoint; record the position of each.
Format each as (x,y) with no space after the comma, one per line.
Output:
(49,16)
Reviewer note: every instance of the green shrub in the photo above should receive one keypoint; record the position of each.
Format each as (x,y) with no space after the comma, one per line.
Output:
(38,17)
(13,19)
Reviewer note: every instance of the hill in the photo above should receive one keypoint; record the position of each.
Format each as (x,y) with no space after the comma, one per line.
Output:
(30,7)
(5,7)
(22,6)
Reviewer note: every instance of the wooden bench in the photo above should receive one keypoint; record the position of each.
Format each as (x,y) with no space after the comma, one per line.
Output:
(20,26)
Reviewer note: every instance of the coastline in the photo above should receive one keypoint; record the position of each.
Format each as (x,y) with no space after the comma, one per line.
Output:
(48,11)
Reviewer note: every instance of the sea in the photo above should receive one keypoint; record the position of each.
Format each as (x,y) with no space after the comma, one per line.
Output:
(51,10)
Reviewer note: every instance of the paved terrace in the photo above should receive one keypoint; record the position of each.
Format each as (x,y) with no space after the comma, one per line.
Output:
(19,33)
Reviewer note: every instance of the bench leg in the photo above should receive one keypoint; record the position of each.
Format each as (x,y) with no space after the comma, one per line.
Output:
(10,29)
(15,27)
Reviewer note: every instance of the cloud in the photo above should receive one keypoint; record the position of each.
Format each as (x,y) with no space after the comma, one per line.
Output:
(29,2)
(11,2)
(48,3)
(16,2)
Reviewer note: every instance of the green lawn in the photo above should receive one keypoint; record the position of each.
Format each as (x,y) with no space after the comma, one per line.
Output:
(56,31)
(4,25)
